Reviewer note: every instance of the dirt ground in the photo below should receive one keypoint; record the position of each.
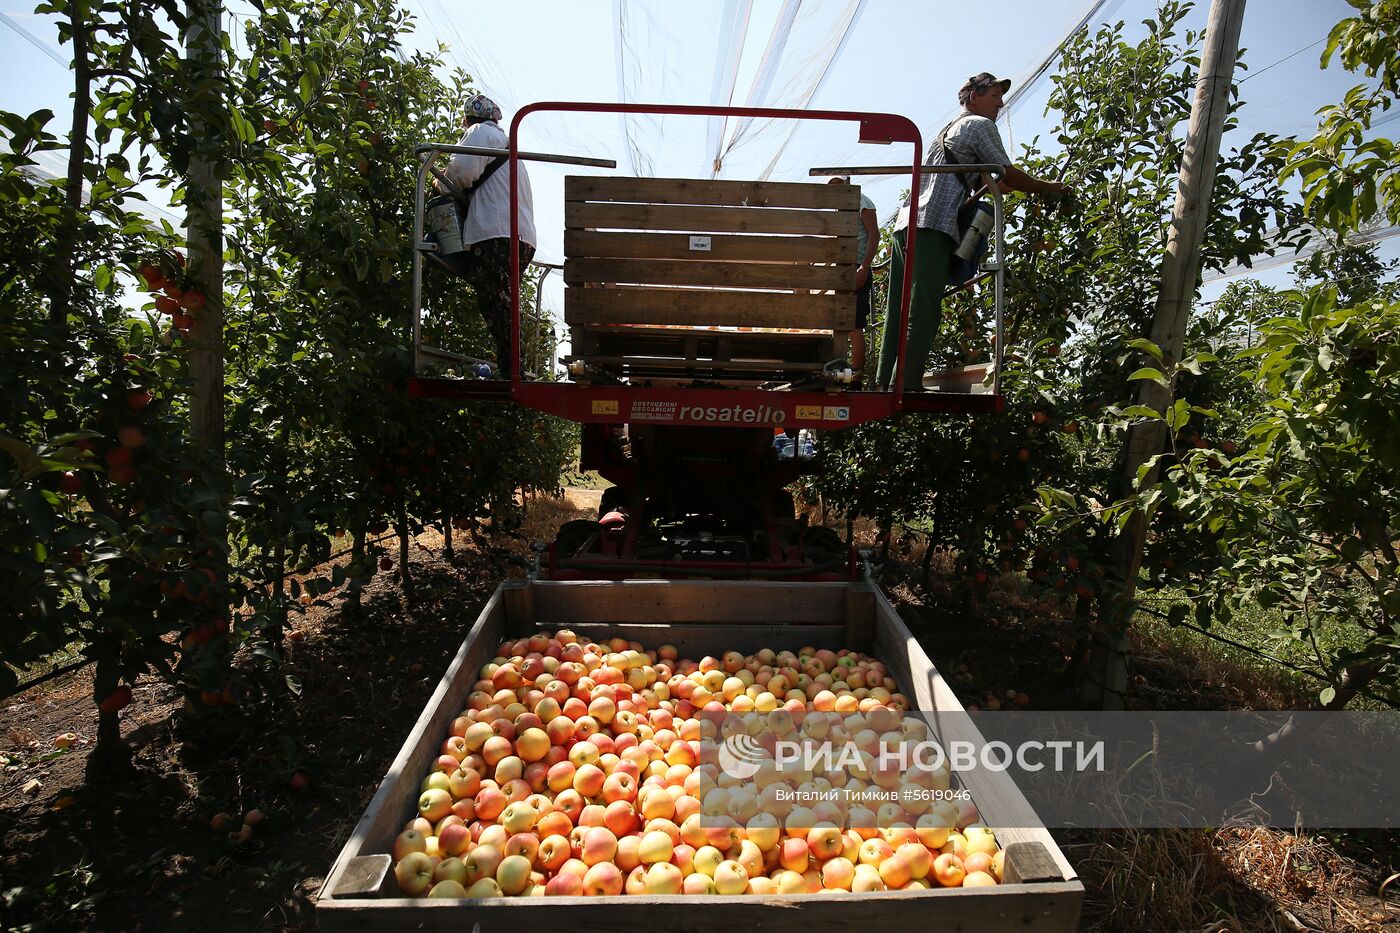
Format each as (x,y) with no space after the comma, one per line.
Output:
(142,855)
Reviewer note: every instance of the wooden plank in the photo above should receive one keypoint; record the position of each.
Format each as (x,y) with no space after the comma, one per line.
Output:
(518,598)
(705,191)
(740,337)
(702,272)
(860,617)
(999,801)
(366,876)
(592,216)
(579,243)
(1029,862)
(393,802)
(681,362)
(695,307)
(1043,908)
(661,601)
(813,347)
(714,638)
(965,377)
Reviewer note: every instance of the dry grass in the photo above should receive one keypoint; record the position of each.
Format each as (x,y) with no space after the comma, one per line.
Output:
(1167,879)
(1240,879)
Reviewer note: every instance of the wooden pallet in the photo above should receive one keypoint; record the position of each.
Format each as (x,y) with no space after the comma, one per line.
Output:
(698,254)
(965,380)
(703,618)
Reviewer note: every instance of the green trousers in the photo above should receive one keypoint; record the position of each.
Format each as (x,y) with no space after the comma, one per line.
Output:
(925,305)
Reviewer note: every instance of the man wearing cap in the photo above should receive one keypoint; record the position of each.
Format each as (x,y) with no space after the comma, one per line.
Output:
(486,232)
(971,137)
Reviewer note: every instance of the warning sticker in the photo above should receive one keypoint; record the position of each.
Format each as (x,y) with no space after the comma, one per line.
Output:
(605,406)
(836,413)
(643,410)
(809,412)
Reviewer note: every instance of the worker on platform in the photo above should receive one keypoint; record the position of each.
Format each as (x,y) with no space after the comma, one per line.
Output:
(867,242)
(970,138)
(486,230)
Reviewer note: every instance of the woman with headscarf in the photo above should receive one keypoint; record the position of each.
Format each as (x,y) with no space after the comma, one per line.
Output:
(486,231)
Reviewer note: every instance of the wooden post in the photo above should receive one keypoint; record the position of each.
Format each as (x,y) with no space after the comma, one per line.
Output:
(1181,268)
(205,213)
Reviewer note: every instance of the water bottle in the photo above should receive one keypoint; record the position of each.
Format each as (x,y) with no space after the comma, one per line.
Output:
(806,444)
(976,232)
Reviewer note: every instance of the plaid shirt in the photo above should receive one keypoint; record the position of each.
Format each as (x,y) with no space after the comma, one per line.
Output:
(971,139)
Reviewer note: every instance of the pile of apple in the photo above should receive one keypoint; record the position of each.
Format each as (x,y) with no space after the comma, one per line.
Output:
(576,770)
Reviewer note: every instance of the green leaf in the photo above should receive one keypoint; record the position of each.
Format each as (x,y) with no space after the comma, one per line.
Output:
(1148,347)
(1147,372)
(1180,415)
(1327,695)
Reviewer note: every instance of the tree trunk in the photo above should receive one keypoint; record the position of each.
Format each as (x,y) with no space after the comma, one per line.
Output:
(447,539)
(405,578)
(1181,268)
(1354,679)
(927,567)
(110,755)
(357,567)
(205,219)
(66,257)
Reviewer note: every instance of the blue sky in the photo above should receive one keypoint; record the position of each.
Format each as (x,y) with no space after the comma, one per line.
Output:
(901,56)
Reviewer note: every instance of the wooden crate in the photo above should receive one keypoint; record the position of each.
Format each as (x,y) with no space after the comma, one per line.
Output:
(688,253)
(702,618)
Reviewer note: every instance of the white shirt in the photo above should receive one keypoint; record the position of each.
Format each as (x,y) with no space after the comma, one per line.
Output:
(489,217)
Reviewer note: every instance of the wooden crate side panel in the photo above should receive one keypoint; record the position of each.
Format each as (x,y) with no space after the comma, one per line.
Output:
(999,801)
(1053,906)
(732,247)
(1043,908)
(706,344)
(668,601)
(697,641)
(702,191)
(698,308)
(703,272)
(394,801)
(593,216)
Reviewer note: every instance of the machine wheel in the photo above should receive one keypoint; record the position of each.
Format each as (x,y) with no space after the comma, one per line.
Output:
(822,545)
(572,536)
(613,497)
(783,506)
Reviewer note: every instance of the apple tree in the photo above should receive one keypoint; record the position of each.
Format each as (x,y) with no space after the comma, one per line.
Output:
(112,521)
(1305,513)
(1081,284)
(329,107)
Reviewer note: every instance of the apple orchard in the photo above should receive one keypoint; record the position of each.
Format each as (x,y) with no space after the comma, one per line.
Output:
(224,519)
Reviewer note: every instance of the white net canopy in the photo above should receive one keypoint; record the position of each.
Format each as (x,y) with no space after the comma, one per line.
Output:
(898,56)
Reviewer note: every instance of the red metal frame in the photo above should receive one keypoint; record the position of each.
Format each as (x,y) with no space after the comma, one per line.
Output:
(704,407)
(835,408)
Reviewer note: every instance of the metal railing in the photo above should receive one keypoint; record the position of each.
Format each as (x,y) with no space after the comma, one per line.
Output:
(873,127)
(994,263)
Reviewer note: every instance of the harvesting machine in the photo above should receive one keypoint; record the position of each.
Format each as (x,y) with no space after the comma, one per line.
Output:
(704,315)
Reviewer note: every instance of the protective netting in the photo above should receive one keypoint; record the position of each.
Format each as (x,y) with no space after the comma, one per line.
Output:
(900,56)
